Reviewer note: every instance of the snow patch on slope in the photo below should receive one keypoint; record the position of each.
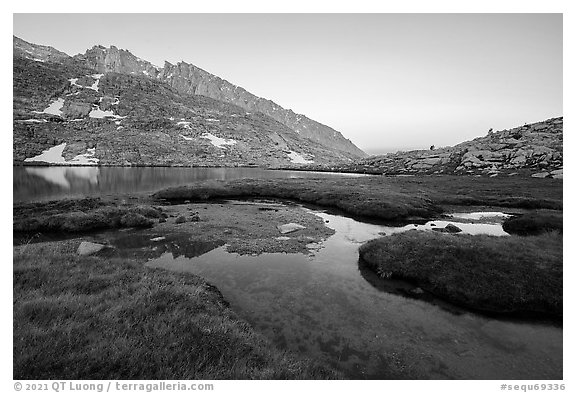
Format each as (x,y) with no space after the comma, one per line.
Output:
(55,108)
(53,155)
(95,85)
(74,82)
(297,158)
(218,142)
(86,158)
(185,124)
(33,121)
(97,113)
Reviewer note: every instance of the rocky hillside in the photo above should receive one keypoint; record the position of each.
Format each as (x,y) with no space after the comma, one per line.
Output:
(189,79)
(532,149)
(72,112)
(39,53)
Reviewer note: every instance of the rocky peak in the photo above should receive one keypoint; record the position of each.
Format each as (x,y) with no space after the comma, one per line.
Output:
(112,59)
(188,79)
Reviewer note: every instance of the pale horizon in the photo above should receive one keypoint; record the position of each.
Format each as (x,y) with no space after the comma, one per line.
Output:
(387,82)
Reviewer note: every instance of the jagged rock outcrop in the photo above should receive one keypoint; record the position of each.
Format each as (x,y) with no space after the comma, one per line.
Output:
(189,79)
(112,59)
(532,149)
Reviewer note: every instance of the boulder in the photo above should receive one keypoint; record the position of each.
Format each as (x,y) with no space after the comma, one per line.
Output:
(541,175)
(180,220)
(450,228)
(290,227)
(89,248)
(430,160)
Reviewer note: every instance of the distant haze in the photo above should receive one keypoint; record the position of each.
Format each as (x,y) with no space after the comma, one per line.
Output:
(385,81)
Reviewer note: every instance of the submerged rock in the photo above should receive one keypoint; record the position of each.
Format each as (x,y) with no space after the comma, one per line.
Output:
(450,228)
(290,227)
(89,248)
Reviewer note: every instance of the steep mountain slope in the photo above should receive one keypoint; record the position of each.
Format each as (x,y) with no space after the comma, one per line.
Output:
(189,79)
(532,149)
(66,112)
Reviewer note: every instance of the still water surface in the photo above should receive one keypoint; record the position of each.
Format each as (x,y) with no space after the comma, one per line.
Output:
(328,306)
(45,183)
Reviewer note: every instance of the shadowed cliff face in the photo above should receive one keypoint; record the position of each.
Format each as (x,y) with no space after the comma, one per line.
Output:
(189,79)
(109,107)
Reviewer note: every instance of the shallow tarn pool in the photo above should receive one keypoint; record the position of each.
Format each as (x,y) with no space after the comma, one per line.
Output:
(326,305)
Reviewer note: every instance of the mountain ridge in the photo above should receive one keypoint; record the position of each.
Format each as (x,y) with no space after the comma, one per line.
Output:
(190,79)
(534,149)
(66,112)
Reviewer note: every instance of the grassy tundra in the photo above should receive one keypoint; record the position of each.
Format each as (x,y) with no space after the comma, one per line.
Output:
(79,317)
(499,274)
(385,198)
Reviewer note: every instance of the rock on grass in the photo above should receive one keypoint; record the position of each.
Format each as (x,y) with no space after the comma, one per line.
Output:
(180,220)
(89,248)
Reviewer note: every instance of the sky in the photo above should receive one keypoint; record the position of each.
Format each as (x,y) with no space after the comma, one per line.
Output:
(386,81)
